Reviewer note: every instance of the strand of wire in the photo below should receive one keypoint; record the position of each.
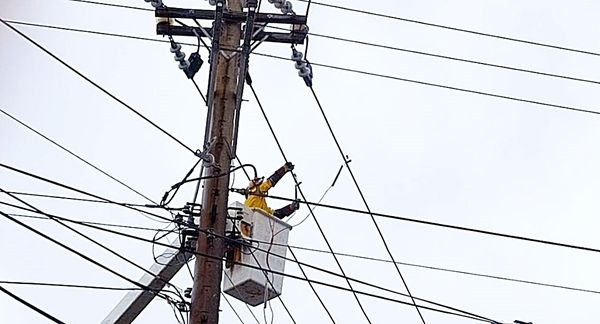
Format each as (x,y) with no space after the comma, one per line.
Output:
(63,285)
(83,256)
(447,57)
(95,84)
(364,200)
(31,306)
(415,265)
(364,72)
(468,31)
(75,155)
(102,246)
(443,225)
(475,317)
(304,198)
(259,249)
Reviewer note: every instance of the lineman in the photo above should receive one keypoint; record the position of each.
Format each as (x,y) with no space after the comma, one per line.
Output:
(258,186)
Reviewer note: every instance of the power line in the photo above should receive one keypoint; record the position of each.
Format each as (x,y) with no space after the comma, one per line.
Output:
(311,211)
(362,196)
(95,84)
(19,193)
(63,285)
(113,5)
(469,273)
(456,227)
(76,156)
(82,192)
(91,223)
(447,57)
(368,73)
(469,315)
(104,247)
(81,255)
(394,48)
(254,248)
(512,39)
(30,305)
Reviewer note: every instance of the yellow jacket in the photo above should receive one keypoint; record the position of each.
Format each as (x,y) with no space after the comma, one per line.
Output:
(259,201)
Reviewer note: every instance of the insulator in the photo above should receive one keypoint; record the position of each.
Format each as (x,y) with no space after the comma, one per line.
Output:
(279,3)
(304,72)
(179,56)
(184,64)
(271,1)
(156,3)
(300,65)
(296,55)
(148,0)
(175,47)
(212,2)
(287,8)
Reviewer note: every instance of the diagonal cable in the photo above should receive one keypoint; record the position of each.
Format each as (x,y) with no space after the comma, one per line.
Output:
(362,196)
(304,198)
(95,84)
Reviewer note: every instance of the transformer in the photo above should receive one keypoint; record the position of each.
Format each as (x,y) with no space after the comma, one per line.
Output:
(265,244)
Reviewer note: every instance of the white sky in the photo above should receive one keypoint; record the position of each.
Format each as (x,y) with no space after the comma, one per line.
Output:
(417,151)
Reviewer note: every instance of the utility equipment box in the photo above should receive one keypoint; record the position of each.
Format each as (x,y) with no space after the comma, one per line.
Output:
(266,240)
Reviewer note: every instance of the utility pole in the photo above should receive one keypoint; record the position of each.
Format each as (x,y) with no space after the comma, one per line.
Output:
(228,72)
(220,126)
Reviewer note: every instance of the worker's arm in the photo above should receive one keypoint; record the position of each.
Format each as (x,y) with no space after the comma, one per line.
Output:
(275,177)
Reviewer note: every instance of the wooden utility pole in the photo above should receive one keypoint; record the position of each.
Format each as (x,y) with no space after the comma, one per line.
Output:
(220,127)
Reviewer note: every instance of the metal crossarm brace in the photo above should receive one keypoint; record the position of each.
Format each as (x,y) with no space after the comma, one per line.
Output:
(231,16)
(293,37)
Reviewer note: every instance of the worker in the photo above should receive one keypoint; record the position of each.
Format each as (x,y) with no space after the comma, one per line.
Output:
(258,188)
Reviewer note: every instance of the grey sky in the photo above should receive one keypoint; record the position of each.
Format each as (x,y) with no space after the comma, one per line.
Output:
(417,151)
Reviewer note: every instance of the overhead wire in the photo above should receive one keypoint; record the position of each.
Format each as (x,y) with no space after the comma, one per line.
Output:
(257,248)
(310,210)
(461,313)
(468,31)
(23,35)
(364,200)
(31,306)
(462,272)
(443,225)
(81,255)
(97,243)
(447,57)
(64,285)
(75,155)
(379,75)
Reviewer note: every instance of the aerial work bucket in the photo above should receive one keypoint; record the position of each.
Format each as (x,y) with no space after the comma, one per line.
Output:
(264,240)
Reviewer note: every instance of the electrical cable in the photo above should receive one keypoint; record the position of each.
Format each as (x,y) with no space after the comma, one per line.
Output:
(113,5)
(469,273)
(33,307)
(95,84)
(362,196)
(446,57)
(232,308)
(455,227)
(263,250)
(92,223)
(471,316)
(76,156)
(63,285)
(311,212)
(523,41)
(104,247)
(81,255)
(363,72)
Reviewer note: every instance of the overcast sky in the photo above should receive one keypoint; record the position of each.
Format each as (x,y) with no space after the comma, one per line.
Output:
(417,151)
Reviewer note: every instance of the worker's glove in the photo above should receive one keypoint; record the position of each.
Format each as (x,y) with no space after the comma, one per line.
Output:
(288,166)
